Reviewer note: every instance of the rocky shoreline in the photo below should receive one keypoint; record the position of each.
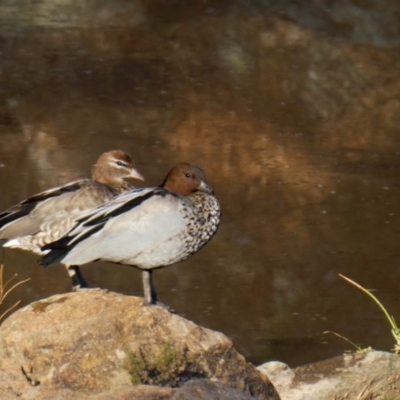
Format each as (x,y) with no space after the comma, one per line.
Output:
(96,344)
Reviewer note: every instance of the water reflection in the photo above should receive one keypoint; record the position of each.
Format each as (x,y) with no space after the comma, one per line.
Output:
(297,132)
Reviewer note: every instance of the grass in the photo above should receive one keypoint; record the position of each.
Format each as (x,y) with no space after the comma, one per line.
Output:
(5,290)
(358,348)
(395,329)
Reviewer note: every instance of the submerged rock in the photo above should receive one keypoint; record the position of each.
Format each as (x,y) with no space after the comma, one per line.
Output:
(93,344)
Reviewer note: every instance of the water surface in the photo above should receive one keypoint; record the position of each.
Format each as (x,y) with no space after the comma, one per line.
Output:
(295,126)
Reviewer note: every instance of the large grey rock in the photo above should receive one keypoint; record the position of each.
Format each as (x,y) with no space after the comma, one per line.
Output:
(93,342)
(202,389)
(371,375)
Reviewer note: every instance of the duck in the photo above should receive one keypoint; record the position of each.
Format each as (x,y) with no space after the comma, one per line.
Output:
(47,216)
(146,228)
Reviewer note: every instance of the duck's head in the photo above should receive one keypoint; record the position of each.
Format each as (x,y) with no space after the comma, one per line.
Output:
(186,179)
(114,166)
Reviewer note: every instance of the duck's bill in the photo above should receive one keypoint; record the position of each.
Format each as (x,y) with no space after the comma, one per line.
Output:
(135,174)
(205,187)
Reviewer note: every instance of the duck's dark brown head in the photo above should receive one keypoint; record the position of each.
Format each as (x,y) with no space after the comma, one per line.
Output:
(113,167)
(185,179)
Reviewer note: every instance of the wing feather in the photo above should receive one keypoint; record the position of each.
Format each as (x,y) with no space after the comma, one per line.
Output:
(57,204)
(94,220)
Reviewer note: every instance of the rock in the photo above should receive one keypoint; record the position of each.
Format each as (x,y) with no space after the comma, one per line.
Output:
(370,375)
(139,392)
(11,383)
(93,343)
(202,389)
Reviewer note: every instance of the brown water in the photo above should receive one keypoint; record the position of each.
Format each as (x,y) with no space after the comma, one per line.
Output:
(295,125)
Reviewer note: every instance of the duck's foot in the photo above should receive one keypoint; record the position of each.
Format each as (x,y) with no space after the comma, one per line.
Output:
(78,281)
(82,288)
(160,304)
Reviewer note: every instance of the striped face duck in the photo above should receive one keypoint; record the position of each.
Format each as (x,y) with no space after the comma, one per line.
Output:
(146,228)
(47,216)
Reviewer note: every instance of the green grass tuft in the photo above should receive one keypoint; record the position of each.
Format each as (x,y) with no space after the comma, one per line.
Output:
(395,329)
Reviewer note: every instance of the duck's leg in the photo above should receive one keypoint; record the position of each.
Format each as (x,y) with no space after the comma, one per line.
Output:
(150,296)
(78,281)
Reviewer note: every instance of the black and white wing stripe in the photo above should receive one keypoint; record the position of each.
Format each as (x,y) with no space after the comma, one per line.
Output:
(94,220)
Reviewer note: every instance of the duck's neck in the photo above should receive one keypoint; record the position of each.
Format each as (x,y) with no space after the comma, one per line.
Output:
(121,187)
(117,185)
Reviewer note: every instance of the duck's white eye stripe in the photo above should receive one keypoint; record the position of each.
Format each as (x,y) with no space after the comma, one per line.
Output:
(119,163)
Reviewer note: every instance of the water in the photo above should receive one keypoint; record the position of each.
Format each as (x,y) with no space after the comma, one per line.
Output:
(295,126)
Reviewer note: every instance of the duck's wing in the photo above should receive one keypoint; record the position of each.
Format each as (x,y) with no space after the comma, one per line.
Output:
(53,205)
(127,222)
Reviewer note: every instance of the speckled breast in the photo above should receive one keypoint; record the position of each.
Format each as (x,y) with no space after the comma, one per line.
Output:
(202,221)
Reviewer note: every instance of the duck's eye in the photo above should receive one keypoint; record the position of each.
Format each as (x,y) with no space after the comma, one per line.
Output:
(120,163)
(188,175)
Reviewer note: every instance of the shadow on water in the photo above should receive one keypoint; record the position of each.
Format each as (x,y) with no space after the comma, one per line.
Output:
(295,124)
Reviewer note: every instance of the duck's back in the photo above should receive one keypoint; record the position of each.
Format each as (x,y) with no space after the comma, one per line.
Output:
(49,215)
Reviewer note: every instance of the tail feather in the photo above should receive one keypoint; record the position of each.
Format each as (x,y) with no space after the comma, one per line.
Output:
(9,243)
(56,252)
(55,256)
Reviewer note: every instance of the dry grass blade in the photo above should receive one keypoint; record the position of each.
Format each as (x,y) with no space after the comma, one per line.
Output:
(4,292)
(359,349)
(395,329)
(10,309)
(366,392)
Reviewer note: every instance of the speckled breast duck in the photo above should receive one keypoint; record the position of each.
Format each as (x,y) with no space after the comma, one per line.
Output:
(146,228)
(47,216)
